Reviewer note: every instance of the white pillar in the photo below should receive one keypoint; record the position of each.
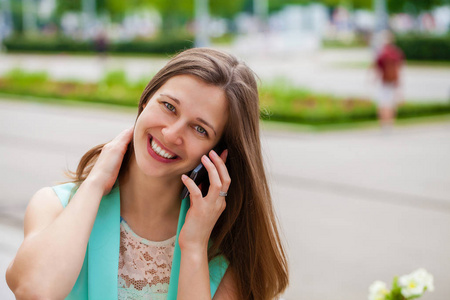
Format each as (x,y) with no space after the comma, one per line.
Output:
(201,23)
(381,23)
(88,7)
(5,18)
(381,15)
(261,8)
(29,16)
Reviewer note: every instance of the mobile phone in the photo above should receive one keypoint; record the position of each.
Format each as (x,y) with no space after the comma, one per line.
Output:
(200,174)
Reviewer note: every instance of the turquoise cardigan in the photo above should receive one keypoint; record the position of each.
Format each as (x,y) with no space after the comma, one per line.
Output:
(98,275)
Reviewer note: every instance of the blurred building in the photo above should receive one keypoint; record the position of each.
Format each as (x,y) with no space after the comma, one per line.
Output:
(294,28)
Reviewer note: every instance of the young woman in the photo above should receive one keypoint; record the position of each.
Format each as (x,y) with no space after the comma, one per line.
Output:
(122,230)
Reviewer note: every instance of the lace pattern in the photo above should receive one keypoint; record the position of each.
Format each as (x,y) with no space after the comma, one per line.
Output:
(144,266)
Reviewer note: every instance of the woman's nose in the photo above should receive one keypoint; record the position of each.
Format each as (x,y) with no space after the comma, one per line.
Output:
(173,133)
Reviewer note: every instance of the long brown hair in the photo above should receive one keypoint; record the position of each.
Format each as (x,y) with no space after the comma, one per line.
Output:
(246,232)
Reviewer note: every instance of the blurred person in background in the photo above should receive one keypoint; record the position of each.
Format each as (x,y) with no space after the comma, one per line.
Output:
(388,63)
(119,230)
(101,43)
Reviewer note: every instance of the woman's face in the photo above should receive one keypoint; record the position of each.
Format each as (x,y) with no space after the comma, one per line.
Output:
(183,120)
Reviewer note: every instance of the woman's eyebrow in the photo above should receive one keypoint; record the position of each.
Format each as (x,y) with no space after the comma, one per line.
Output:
(207,124)
(173,98)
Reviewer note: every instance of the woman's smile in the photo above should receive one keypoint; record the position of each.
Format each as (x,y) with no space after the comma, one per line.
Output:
(159,152)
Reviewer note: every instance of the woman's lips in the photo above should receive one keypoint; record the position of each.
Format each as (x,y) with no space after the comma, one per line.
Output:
(156,155)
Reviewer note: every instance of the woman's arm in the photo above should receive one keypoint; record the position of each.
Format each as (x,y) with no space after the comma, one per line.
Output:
(194,279)
(201,217)
(50,258)
(194,275)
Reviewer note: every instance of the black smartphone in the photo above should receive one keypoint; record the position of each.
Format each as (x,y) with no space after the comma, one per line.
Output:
(200,174)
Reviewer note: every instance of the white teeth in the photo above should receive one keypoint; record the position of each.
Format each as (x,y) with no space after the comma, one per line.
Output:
(163,153)
(160,151)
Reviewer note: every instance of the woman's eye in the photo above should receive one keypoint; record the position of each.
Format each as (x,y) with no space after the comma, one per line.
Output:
(169,106)
(200,130)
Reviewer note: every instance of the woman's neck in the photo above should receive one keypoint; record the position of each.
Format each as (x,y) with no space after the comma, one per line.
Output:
(149,205)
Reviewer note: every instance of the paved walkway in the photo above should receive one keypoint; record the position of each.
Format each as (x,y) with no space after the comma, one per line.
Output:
(354,206)
(339,72)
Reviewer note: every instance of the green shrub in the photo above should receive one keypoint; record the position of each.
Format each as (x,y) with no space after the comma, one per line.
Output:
(163,46)
(112,78)
(420,47)
(43,44)
(280,101)
(166,45)
(19,76)
(412,110)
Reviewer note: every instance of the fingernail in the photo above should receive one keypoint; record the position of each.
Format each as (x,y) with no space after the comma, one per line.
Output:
(213,153)
(183,177)
(226,153)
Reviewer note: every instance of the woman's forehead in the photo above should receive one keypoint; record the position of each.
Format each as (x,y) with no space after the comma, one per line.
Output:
(193,90)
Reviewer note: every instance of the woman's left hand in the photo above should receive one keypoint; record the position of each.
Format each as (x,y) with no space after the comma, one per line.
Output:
(205,211)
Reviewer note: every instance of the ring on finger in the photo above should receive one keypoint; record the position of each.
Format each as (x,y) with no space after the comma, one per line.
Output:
(223,194)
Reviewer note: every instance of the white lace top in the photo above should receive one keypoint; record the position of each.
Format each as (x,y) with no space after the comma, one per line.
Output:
(144,266)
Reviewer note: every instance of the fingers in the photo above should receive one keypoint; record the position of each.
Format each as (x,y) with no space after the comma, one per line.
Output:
(194,190)
(121,141)
(219,178)
(222,169)
(217,171)
(126,135)
(224,155)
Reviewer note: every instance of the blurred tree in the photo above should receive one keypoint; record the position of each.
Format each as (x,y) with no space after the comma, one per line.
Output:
(225,8)
(17,15)
(174,13)
(275,5)
(65,6)
(394,6)
(356,4)
(115,8)
(414,7)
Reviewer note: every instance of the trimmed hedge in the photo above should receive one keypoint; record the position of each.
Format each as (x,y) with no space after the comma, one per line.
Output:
(282,102)
(279,101)
(157,46)
(420,47)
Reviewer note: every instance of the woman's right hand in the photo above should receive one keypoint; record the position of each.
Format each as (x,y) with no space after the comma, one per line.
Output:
(107,167)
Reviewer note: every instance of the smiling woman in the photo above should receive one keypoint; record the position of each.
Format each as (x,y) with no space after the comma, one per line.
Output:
(184,119)
(119,229)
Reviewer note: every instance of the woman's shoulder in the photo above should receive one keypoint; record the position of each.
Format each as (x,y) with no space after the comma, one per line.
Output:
(45,195)
(43,207)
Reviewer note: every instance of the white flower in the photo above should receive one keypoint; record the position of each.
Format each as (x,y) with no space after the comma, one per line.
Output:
(378,291)
(425,277)
(414,284)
